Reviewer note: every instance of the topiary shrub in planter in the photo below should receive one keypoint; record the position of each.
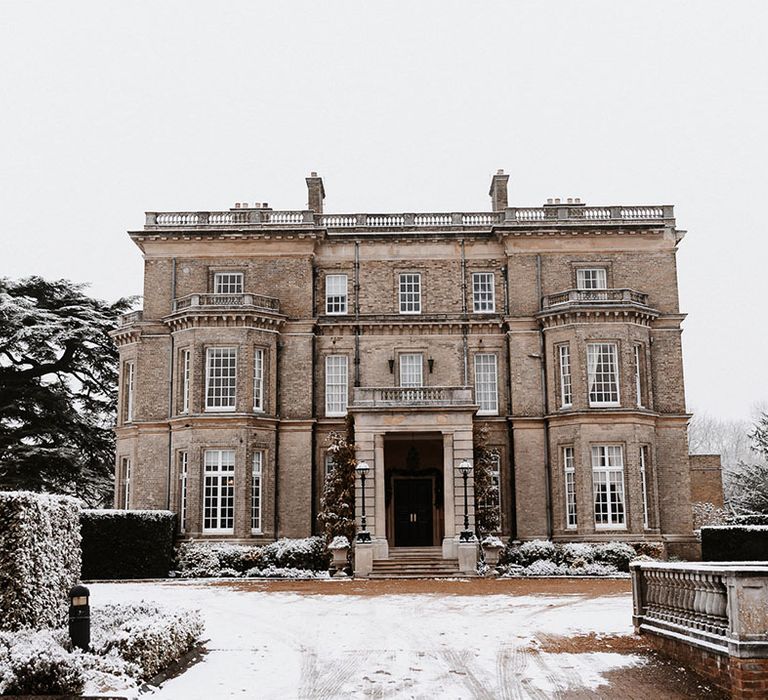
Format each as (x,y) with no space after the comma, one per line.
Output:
(734,543)
(39,558)
(127,543)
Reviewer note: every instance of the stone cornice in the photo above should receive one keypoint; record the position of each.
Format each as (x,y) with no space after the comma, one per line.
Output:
(572,314)
(221,318)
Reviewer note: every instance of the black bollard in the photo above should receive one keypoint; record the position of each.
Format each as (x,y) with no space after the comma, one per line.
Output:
(80,618)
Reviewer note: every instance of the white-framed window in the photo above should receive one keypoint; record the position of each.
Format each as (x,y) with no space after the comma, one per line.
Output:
(603,374)
(228,283)
(639,375)
(329,464)
(256,486)
(483,292)
(412,370)
(591,278)
(410,293)
(219,491)
(608,483)
(486,384)
(220,379)
(336,385)
(125,468)
(186,359)
(644,465)
(566,384)
(183,477)
(129,382)
(571,513)
(336,294)
(258,379)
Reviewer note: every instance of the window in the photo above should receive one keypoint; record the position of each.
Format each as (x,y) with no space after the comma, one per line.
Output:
(640,382)
(228,283)
(125,468)
(129,381)
(602,370)
(220,379)
(219,491)
(566,387)
(258,379)
(591,278)
(411,370)
(486,390)
(644,483)
(183,474)
(336,385)
(336,294)
(483,292)
(492,499)
(410,293)
(185,367)
(571,519)
(329,464)
(258,459)
(608,482)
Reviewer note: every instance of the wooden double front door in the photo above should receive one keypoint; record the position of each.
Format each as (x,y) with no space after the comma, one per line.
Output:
(414,512)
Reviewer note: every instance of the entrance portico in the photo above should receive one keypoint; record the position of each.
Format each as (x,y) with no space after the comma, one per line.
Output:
(413,440)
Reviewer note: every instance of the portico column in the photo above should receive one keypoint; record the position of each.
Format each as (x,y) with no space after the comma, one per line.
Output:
(449,505)
(380,545)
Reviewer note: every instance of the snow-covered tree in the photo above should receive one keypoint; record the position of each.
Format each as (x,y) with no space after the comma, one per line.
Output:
(58,388)
(747,484)
(337,506)
(487,516)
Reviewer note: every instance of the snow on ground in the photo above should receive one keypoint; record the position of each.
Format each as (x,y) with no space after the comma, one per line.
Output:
(289,645)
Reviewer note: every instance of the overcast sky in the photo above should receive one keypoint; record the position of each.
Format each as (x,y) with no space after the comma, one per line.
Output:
(108,109)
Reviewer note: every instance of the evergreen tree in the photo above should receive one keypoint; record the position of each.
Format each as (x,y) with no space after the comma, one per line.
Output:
(337,506)
(58,388)
(748,483)
(487,515)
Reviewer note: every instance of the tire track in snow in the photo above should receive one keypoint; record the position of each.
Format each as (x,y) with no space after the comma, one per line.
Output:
(459,661)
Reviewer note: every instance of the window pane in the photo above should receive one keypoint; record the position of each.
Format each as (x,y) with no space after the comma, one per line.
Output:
(608,481)
(602,370)
(183,465)
(258,458)
(591,278)
(486,384)
(336,385)
(336,294)
(258,379)
(483,293)
(220,378)
(228,283)
(185,367)
(129,381)
(570,488)
(410,293)
(644,483)
(566,391)
(411,370)
(219,491)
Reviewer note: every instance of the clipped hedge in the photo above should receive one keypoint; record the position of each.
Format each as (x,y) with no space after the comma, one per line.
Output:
(39,558)
(124,544)
(734,543)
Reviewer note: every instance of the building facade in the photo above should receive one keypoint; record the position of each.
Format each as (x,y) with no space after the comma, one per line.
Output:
(556,327)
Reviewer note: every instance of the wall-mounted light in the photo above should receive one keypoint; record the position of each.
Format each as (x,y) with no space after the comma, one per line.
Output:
(391,366)
(431,364)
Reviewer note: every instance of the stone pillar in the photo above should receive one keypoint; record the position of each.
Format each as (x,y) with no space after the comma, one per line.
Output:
(380,544)
(363,559)
(467,552)
(449,505)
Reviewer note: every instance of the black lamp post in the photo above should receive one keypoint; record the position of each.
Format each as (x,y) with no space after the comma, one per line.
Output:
(466,534)
(362,469)
(80,617)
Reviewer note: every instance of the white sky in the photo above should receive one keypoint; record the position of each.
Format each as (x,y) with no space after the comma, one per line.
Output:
(108,109)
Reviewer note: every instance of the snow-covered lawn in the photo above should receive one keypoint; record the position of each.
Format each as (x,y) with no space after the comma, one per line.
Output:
(278,644)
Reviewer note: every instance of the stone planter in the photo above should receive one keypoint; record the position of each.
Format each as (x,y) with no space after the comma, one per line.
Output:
(339,561)
(491,554)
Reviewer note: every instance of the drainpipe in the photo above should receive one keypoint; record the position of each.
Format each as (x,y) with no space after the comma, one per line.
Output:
(357,313)
(464,329)
(511,433)
(276,523)
(545,404)
(170,393)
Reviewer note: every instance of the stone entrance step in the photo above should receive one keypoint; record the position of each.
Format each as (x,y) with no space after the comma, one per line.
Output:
(415,562)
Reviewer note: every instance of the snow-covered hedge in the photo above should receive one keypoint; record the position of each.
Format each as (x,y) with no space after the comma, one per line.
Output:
(278,572)
(39,558)
(545,567)
(734,543)
(211,559)
(573,558)
(130,643)
(127,543)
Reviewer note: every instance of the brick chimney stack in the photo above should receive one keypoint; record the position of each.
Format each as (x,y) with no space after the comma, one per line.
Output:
(316,193)
(498,191)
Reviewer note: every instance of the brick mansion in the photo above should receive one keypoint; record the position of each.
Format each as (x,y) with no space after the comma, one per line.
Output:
(557,327)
